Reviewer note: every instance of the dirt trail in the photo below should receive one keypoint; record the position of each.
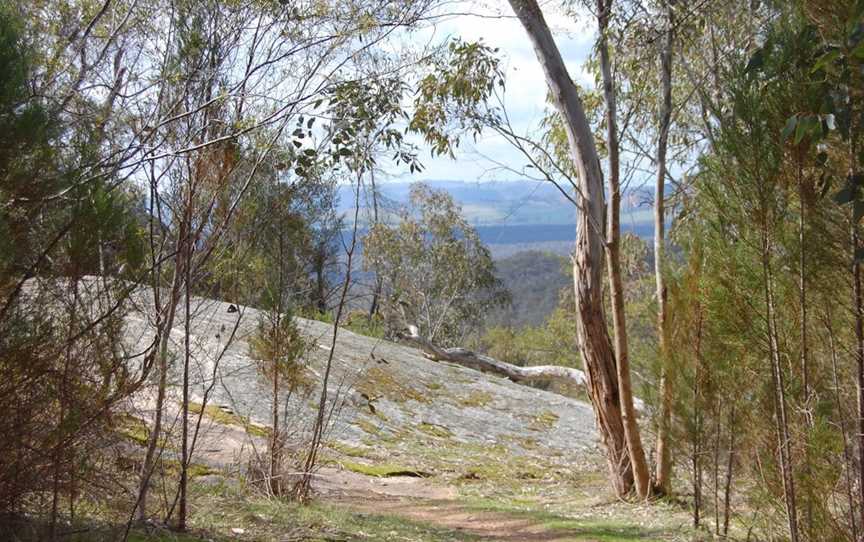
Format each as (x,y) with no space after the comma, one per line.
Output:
(416,499)
(421,500)
(487,525)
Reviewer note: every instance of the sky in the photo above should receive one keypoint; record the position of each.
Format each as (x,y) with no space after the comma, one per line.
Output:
(525,85)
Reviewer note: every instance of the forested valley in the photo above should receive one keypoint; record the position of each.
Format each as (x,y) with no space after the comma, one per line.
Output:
(214,325)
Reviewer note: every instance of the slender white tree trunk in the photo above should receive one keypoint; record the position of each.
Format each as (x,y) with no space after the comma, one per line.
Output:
(594,343)
(635,450)
(663,460)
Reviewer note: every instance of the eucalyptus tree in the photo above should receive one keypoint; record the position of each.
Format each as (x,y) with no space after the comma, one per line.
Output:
(669,115)
(436,273)
(378,141)
(460,99)
(664,456)
(613,254)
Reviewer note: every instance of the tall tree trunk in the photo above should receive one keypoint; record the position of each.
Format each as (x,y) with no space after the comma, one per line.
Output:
(730,461)
(858,300)
(162,367)
(275,438)
(697,423)
(663,458)
(163,332)
(274,446)
(848,463)
(594,343)
(804,351)
(779,391)
(802,296)
(716,466)
(859,350)
(696,452)
(641,478)
(63,400)
(275,455)
(184,408)
(379,283)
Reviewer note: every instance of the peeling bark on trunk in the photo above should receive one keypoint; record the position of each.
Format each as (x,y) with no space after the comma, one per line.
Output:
(594,343)
(641,478)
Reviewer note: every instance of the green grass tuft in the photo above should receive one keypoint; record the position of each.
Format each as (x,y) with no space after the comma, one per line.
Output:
(477,399)
(348,450)
(544,421)
(225,418)
(435,430)
(383,470)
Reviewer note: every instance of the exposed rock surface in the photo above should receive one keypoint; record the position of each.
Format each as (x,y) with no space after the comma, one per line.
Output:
(383,391)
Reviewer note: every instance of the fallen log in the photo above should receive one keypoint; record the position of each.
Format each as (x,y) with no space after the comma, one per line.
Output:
(479,362)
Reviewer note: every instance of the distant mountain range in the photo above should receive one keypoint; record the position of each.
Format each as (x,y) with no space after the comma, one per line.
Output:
(512,216)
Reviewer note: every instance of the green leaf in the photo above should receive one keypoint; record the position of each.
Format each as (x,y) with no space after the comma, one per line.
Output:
(826,61)
(801,130)
(845,195)
(756,61)
(789,129)
(808,126)
(826,181)
(827,106)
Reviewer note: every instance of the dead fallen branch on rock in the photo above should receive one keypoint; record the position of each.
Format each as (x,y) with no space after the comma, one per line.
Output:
(479,362)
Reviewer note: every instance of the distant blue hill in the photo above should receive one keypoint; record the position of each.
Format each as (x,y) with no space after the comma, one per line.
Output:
(529,214)
(542,233)
(499,203)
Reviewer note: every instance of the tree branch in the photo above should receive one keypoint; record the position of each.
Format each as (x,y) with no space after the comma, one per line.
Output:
(479,362)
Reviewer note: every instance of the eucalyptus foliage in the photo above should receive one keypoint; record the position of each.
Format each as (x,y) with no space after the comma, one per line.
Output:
(436,272)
